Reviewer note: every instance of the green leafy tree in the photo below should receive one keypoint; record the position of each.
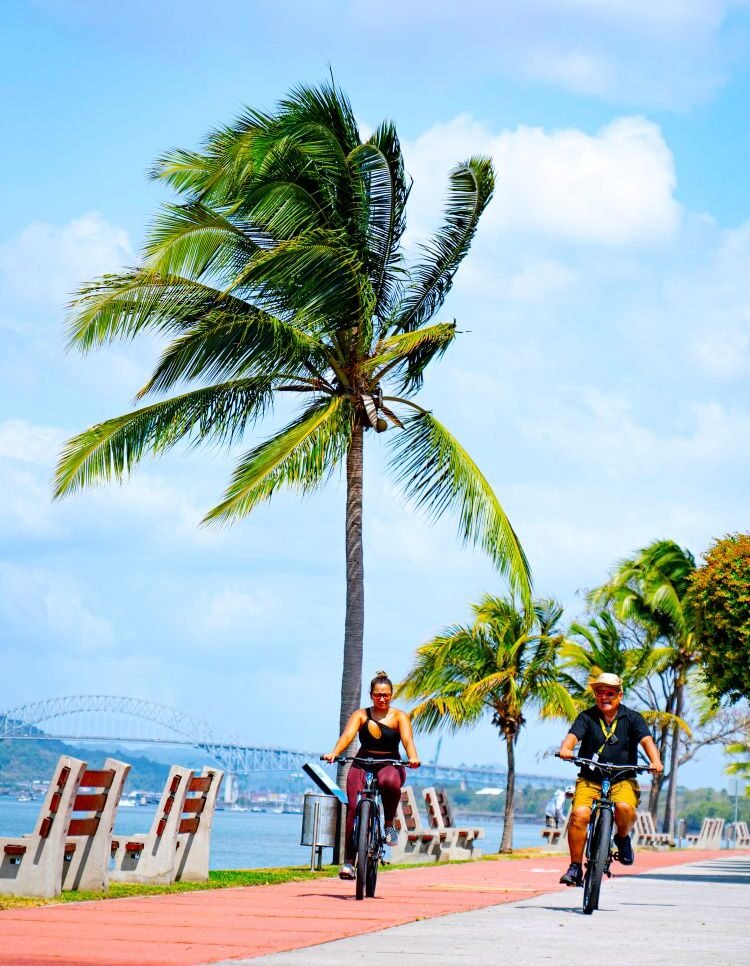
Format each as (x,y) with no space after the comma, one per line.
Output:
(501,665)
(651,590)
(280,271)
(721,592)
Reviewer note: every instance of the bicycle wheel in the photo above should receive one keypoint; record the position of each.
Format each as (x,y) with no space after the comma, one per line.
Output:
(597,860)
(363,845)
(373,859)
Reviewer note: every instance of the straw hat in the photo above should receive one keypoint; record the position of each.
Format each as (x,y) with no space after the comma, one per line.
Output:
(606,681)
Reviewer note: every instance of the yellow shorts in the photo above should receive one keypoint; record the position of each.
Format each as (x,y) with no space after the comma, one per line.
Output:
(626,791)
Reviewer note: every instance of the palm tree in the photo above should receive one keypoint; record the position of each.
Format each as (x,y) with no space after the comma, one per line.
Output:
(281,271)
(652,589)
(502,664)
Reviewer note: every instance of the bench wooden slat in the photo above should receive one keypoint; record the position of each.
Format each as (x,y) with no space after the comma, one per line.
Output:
(134,846)
(55,802)
(189,826)
(194,805)
(70,848)
(62,780)
(90,803)
(98,779)
(45,827)
(15,850)
(201,783)
(83,826)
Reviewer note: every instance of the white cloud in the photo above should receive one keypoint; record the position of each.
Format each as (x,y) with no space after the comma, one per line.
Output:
(21,440)
(230,610)
(45,263)
(50,608)
(613,188)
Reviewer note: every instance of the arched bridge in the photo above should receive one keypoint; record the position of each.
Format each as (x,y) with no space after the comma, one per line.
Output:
(102,717)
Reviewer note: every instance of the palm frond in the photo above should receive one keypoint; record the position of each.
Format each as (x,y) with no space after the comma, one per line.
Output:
(123,305)
(197,241)
(437,474)
(470,191)
(109,450)
(301,456)
(226,346)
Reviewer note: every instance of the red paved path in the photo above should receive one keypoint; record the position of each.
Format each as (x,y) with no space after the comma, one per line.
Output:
(205,927)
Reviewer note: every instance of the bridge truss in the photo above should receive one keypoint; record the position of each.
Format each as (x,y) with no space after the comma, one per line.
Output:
(110,718)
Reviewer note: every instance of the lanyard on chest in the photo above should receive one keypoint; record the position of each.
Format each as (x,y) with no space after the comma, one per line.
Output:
(608,733)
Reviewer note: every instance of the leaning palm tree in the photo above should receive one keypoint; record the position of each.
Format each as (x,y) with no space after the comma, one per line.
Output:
(280,271)
(653,590)
(501,665)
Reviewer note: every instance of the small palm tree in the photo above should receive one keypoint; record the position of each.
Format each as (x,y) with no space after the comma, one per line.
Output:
(280,272)
(652,589)
(501,665)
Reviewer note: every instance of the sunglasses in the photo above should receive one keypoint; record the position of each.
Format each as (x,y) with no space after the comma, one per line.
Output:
(607,693)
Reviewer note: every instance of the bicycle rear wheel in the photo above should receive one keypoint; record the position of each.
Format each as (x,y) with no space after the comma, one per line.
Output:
(597,860)
(363,845)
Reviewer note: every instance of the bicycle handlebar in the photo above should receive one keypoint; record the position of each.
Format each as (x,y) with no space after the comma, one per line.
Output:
(603,765)
(368,761)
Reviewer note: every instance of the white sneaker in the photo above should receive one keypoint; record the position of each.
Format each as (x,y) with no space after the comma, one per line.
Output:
(347,871)
(391,835)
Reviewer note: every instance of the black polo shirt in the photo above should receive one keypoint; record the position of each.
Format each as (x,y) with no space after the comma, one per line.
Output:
(630,732)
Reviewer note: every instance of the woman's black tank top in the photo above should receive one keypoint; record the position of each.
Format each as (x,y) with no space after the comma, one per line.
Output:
(386,746)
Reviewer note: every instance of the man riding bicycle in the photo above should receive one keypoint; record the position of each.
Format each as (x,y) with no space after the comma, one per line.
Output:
(611,733)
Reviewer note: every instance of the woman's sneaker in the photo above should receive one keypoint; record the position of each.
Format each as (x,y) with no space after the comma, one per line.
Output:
(390,835)
(625,852)
(347,871)
(574,875)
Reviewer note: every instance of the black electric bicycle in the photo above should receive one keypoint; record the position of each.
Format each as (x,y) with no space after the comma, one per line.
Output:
(369,842)
(600,849)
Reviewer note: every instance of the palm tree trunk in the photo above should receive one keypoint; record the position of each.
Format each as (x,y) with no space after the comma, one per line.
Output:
(351,678)
(510,795)
(670,812)
(657,781)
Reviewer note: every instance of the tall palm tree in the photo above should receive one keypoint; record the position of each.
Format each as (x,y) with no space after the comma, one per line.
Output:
(502,664)
(280,270)
(652,589)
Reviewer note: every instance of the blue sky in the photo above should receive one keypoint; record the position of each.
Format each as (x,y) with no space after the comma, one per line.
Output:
(601,382)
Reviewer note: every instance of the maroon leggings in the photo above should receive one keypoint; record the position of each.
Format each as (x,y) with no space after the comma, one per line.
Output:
(390,780)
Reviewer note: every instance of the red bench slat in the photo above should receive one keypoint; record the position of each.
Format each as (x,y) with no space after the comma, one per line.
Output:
(83,826)
(15,850)
(98,779)
(90,803)
(189,826)
(194,805)
(201,783)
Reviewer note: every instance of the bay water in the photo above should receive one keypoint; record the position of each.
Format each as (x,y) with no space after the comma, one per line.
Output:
(247,840)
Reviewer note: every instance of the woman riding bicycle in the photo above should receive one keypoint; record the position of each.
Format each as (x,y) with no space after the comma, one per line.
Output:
(610,733)
(380,729)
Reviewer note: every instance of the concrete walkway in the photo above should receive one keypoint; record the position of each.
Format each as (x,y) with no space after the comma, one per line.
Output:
(235,925)
(691,915)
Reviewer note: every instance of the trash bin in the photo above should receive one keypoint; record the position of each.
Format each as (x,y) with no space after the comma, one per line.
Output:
(320,815)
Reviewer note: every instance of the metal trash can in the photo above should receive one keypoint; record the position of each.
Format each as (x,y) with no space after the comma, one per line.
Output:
(320,815)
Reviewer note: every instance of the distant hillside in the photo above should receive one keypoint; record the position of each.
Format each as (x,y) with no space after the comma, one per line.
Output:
(23,761)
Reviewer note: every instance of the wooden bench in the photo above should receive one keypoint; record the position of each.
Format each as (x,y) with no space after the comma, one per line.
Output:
(458,840)
(194,832)
(415,842)
(646,832)
(557,838)
(32,865)
(709,836)
(87,846)
(741,835)
(151,857)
